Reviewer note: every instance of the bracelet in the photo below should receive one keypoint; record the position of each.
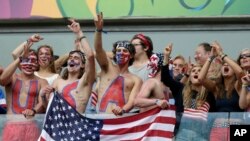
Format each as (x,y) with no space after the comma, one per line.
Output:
(79,39)
(223,56)
(244,85)
(98,30)
(211,58)
(157,101)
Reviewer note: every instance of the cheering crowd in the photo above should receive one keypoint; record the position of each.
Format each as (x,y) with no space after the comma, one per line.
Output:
(132,79)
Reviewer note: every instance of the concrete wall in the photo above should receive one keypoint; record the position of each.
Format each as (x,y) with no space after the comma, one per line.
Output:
(185,37)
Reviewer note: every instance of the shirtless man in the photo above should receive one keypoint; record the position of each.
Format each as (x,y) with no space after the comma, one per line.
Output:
(153,92)
(76,82)
(117,87)
(24,96)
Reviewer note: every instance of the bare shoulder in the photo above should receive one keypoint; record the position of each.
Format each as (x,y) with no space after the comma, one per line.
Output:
(134,77)
(57,81)
(42,81)
(152,80)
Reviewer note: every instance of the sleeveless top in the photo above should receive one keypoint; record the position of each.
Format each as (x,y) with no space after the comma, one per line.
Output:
(141,72)
(50,79)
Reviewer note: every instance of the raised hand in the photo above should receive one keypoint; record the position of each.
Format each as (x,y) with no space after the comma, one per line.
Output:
(217,47)
(74,26)
(35,38)
(26,49)
(246,79)
(99,22)
(168,49)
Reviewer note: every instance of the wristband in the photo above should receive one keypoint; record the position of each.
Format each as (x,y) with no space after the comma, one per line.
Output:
(98,30)
(223,56)
(82,38)
(211,58)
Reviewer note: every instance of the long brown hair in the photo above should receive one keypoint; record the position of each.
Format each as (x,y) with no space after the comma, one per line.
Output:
(52,63)
(187,94)
(65,73)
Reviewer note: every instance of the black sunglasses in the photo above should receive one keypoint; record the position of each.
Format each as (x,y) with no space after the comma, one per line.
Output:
(244,56)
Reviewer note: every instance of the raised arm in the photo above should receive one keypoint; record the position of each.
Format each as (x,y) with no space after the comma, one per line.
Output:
(60,61)
(166,78)
(244,101)
(206,82)
(19,50)
(89,74)
(8,72)
(236,68)
(101,55)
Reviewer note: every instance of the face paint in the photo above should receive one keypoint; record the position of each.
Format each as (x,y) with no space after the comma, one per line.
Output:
(153,65)
(155,62)
(45,56)
(73,64)
(29,64)
(122,58)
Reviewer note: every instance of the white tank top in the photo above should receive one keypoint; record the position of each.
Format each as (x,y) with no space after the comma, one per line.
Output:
(50,79)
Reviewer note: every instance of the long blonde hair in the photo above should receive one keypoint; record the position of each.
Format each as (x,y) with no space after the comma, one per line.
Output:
(187,94)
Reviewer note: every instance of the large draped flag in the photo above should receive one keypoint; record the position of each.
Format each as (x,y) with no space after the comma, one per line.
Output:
(64,123)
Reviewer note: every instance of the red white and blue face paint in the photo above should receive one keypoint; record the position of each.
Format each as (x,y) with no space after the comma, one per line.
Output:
(74,61)
(155,62)
(29,65)
(72,64)
(153,65)
(122,55)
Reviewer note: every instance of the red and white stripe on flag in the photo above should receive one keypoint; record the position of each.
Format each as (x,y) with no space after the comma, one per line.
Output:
(155,124)
(94,98)
(63,122)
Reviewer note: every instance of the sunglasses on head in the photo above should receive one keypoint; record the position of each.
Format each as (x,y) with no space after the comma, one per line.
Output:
(123,44)
(244,56)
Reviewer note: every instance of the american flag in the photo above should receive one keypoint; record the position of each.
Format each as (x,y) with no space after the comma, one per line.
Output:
(64,123)
(94,97)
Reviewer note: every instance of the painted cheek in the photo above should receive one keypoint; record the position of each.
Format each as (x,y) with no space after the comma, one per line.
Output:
(122,58)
